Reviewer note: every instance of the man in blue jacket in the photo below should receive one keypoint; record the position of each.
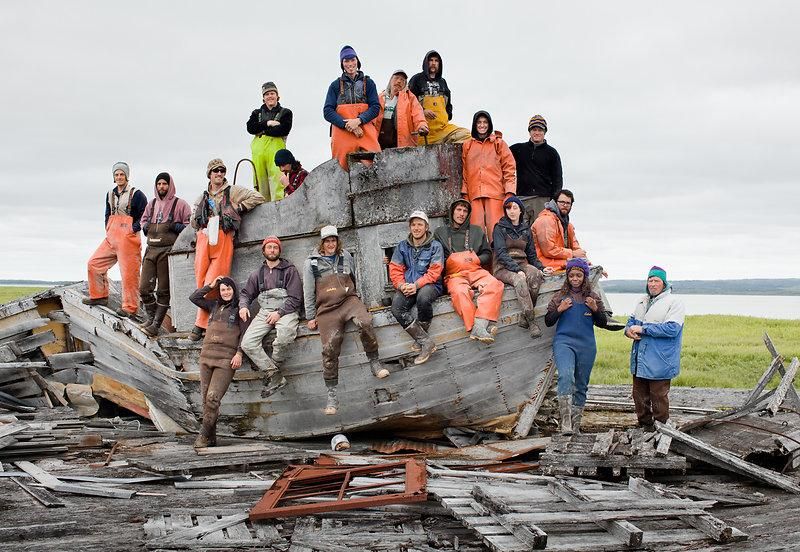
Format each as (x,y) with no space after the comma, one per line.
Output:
(656,328)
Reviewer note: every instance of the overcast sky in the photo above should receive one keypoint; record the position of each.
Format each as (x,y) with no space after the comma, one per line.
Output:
(676,122)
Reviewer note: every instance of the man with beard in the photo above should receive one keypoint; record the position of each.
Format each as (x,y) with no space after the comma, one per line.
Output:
(277,289)
(539,177)
(466,249)
(351,103)
(416,271)
(401,115)
(270,125)
(554,234)
(163,220)
(432,91)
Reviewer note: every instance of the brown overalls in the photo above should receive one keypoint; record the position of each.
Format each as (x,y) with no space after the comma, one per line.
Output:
(527,288)
(155,266)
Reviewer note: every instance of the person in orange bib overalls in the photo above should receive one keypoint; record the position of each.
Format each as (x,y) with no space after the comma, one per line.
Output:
(490,173)
(214,250)
(122,244)
(351,103)
(465,250)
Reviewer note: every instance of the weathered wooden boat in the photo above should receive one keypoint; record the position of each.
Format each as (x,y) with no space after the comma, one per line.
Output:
(465,383)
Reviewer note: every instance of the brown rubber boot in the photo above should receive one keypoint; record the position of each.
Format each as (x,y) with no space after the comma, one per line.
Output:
(565,410)
(426,344)
(480,331)
(332,406)
(102,301)
(377,367)
(577,414)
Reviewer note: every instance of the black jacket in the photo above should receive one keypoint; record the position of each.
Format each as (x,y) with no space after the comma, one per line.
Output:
(504,228)
(466,237)
(421,85)
(538,169)
(257,124)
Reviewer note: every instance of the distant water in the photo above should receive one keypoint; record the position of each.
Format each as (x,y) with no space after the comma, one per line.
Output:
(762,306)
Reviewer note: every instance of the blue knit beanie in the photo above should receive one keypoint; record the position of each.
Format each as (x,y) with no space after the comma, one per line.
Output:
(514,199)
(346,53)
(578,262)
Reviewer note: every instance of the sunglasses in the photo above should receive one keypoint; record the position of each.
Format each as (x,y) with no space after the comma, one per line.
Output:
(219,170)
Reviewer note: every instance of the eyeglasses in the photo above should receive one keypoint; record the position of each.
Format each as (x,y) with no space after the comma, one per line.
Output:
(219,170)
(564,202)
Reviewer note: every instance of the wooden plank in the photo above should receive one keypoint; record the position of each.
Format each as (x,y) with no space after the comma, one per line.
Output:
(706,453)
(12,429)
(764,380)
(708,524)
(21,364)
(792,393)
(40,494)
(626,532)
(207,521)
(32,342)
(55,484)
(6,354)
(22,327)
(194,533)
(664,442)
(36,531)
(531,408)
(529,533)
(672,462)
(787,382)
(543,518)
(602,444)
(62,361)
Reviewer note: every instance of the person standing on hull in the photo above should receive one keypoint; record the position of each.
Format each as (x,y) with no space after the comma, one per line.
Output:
(122,244)
(270,125)
(489,173)
(434,95)
(416,271)
(163,220)
(401,115)
(221,354)
(516,263)
(351,103)
(656,328)
(278,290)
(292,172)
(575,310)
(329,289)
(465,250)
(216,216)
(539,176)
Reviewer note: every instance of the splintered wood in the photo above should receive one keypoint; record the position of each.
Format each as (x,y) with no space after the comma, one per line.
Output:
(517,513)
(612,453)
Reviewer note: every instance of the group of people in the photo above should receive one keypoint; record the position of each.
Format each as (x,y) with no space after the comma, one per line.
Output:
(511,225)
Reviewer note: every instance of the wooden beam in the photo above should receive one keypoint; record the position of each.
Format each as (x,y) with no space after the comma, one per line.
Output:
(40,494)
(528,414)
(792,394)
(708,524)
(787,382)
(32,342)
(55,484)
(22,364)
(63,361)
(764,380)
(23,327)
(724,459)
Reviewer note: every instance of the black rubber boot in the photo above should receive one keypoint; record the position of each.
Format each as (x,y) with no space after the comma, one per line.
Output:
(102,301)
(155,324)
(150,312)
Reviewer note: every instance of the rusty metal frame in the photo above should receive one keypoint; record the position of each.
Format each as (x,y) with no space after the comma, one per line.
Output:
(318,482)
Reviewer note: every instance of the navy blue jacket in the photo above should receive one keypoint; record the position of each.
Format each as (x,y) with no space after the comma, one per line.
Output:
(332,99)
(137,207)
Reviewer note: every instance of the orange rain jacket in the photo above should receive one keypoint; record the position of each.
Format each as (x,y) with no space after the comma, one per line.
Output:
(548,234)
(489,168)
(408,117)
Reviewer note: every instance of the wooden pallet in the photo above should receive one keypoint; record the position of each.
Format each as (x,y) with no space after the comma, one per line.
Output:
(613,453)
(572,514)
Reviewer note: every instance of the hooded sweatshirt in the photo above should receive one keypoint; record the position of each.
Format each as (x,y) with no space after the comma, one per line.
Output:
(555,237)
(285,276)
(158,210)
(466,237)
(422,85)
(346,90)
(538,169)
(506,257)
(489,169)
(420,265)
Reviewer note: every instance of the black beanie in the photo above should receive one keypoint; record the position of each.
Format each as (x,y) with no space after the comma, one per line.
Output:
(284,157)
(163,176)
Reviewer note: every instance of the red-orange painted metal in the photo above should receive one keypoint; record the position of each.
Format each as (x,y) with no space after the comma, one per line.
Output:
(336,481)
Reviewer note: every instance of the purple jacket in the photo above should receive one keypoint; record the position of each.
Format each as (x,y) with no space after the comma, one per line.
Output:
(269,278)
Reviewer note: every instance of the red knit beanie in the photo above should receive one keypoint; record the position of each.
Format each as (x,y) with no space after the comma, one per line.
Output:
(271,239)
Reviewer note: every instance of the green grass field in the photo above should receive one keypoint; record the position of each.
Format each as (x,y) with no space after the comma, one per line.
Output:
(718,351)
(9,293)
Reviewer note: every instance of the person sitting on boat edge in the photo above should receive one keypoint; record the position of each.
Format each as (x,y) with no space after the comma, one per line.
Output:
(401,116)
(575,309)
(351,103)
(216,217)
(270,125)
(433,93)
(122,244)
(539,174)
(516,263)
(555,234)
(489,173)
(329,290)
(221,354)
(416,273)
(278,291)
(163,220)
(465,250)
(292,172)
(656,328)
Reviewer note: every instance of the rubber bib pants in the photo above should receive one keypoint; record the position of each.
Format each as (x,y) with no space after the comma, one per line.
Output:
(465,273)
(121,246)
(344,142)
(211,261)
(441,130)
(268,175)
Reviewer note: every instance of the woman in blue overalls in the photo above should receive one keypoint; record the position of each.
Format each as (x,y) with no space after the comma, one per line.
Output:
(576,309)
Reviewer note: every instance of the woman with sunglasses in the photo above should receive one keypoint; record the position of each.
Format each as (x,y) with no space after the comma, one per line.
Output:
(216,217)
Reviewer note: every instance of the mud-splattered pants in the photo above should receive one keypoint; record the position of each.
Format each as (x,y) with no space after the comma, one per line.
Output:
(331,332)
(214,383)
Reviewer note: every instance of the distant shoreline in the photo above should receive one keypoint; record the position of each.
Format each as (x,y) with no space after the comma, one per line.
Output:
(755,286)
